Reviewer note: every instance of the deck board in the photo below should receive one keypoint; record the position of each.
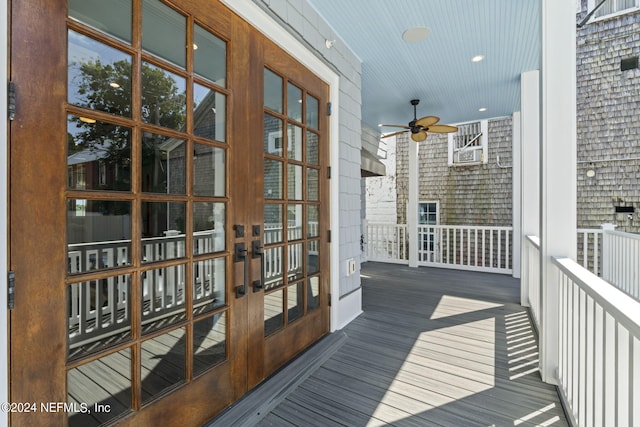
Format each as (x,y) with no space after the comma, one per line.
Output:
(433,347)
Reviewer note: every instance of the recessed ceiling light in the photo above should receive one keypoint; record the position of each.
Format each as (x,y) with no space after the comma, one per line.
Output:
(477,58)
(482,109)
(379,125)
(87,120)
(416,34)
(114,85)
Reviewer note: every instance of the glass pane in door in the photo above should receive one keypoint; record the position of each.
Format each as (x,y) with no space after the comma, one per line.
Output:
(273,311)
(209,171)
(209,280)
(294,102)
(99,76)
(100,390)
(312,148)
(208,227)
(163,225)
(163,363)
(163,164)
(295,262)
(312,112)
(312,221)
(163,97)
(313,184)
(273,179)
(112,17)
(295,301)
(98,235)
(164,32)
(98,155)
(294,182)
(294,142)
(209,56)
(163,297)
(313,293)
(273,267)
(294,222)
(273,228)
(273,138)
(99,314)
(272,91)
(209,342)
(209,113)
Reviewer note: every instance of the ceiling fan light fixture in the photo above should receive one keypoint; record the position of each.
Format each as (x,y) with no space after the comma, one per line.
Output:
(416,34)
(418,128)
(419,136)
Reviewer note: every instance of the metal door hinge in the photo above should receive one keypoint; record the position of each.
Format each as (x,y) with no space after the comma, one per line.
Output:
(328,108)
(329,172)
(11,100)
(329,236)
(11,288)
(329,302)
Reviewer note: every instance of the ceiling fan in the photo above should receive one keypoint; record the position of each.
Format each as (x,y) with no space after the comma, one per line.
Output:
(420,127)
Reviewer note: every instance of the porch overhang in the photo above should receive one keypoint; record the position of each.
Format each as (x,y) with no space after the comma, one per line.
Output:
(370,165)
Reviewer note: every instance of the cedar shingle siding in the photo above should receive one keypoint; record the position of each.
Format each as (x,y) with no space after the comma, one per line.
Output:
(608,141)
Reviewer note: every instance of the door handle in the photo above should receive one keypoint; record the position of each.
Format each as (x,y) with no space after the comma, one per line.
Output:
(257,251)
(241,255)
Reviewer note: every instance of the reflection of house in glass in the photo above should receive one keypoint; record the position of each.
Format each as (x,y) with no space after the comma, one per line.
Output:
(88,169)
(209,113)
(99,155)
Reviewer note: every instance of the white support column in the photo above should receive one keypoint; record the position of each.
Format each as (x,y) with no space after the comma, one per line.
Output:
(412,205)
(530,164)
(516,218)
(557,166)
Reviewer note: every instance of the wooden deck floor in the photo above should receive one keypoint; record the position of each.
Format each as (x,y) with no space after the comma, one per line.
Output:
(433,347)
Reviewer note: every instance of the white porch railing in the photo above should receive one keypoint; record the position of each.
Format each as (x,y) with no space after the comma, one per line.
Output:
(387,243)
(466,247)
(621,261)
(599,348)
(612,255)
(599,333)
(590,249)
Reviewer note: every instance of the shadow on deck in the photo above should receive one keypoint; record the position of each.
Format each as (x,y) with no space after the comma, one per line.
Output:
(433,347)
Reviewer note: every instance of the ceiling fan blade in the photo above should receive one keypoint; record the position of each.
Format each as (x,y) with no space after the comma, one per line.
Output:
(397,126)
(442,129)
(427,121)
(419,137)
(394,134)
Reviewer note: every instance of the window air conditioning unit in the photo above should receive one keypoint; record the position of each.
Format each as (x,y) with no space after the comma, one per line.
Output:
(469,155)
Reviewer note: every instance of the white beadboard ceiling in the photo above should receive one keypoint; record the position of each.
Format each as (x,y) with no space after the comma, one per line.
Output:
(438,70)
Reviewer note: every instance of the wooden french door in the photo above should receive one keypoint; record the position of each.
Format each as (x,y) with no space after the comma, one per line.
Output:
(169,211)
